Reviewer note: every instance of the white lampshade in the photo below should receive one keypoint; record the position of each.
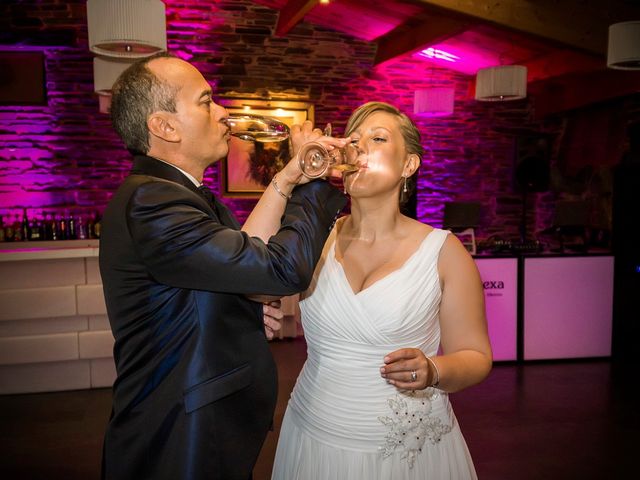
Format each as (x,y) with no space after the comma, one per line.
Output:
(106,71)
(126,28)
(433,102)
(501,83)
(624,46)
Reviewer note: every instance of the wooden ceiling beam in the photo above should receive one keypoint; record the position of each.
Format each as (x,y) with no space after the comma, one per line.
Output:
(573,91)
(561,62)
(417,34)
(577,23)
(292,13)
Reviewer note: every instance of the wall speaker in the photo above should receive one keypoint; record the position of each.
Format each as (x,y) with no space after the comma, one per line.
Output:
(532,158)
(461,215)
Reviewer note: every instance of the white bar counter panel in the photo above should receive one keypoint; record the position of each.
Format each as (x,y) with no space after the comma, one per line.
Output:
(568,304)
(54,331)
(500,283)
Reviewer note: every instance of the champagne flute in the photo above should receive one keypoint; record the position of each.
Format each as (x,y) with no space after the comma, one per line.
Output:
(315,159)
(257,128)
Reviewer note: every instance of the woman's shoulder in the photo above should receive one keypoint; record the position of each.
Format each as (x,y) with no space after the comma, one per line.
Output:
(454,257)
(418,229)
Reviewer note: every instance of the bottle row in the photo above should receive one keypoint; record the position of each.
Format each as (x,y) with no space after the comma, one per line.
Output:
(49,226)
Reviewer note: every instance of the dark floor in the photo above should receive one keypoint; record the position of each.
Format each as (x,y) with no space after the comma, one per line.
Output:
(561,420)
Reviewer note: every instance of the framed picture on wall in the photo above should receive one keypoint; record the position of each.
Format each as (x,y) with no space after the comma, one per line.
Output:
(249,166)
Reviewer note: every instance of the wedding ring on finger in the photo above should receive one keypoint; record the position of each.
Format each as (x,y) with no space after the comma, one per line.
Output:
(414,375)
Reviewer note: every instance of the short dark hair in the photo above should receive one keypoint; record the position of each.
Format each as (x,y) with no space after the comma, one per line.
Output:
(409,131)
(136,94)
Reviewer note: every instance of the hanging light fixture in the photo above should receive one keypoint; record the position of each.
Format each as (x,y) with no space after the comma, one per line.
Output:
(501,83)
(433,102)
(624,46)
(126,28)
(105,73)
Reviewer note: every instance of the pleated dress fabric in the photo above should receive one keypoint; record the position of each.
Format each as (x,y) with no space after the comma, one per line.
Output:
(343,420)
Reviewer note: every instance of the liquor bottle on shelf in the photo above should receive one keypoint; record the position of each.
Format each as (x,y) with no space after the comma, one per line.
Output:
(36,232)
(46,226)
(81,228)
(63,228)
(90,233)
(25,229)
(17,229)
(55,233)
(97,224)
(71,226)
(8,230)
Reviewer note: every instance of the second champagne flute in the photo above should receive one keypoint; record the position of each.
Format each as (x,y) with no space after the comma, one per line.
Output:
(315,159)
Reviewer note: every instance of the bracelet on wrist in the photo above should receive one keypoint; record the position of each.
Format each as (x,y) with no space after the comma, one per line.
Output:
(277,189)
(436,378)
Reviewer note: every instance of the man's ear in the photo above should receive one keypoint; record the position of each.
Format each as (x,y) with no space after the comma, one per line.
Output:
(411,165)
(162,125)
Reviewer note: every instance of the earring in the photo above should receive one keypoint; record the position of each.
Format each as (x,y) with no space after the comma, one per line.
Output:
(405,189)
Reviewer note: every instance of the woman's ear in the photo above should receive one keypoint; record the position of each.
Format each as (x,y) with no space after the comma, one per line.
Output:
(411,165)
(161,125)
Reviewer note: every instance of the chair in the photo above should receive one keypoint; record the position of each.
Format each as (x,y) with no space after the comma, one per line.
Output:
(461,218)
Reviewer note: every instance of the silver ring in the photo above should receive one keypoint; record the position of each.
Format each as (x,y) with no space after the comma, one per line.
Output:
(414,375)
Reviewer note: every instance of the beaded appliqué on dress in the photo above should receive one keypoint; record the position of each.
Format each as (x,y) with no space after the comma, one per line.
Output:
(411,423)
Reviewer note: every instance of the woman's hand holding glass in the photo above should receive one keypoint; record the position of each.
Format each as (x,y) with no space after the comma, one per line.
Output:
(322,156)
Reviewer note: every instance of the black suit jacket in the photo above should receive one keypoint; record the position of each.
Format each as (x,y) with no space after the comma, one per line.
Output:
(196,385)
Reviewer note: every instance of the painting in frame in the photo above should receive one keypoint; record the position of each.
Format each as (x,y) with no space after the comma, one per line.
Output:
(249,167)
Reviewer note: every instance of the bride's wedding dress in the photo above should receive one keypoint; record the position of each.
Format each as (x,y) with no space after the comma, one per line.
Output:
(344,421)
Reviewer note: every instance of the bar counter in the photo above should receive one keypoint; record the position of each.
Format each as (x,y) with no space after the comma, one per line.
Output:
(54,331)
(55,334)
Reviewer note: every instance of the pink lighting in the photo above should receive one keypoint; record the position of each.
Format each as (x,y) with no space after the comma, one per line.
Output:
(462,56)
(439,54)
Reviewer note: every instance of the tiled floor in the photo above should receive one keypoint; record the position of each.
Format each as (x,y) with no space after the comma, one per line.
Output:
(560,420)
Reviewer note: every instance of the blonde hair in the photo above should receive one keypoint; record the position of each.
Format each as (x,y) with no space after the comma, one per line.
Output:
(408,129)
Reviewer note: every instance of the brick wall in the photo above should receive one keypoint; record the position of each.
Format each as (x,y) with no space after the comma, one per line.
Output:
(66,156)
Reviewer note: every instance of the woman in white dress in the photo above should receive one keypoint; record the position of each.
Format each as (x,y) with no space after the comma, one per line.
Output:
(394,320)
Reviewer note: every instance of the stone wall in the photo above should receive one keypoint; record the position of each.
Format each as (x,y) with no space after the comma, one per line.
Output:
(65,155)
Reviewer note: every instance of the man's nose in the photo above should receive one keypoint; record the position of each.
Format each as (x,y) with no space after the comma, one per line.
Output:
(220,112)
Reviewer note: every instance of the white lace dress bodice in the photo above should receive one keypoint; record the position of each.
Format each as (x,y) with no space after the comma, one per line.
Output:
(343,419)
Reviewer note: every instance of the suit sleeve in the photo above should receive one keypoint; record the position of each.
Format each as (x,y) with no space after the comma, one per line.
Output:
(183,246)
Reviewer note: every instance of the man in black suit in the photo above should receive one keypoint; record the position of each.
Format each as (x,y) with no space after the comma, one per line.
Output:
(196,385)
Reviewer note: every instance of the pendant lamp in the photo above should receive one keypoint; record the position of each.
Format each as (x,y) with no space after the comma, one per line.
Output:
(433,102)
(105,72)
(126,28)
(501,83)
(624,46)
